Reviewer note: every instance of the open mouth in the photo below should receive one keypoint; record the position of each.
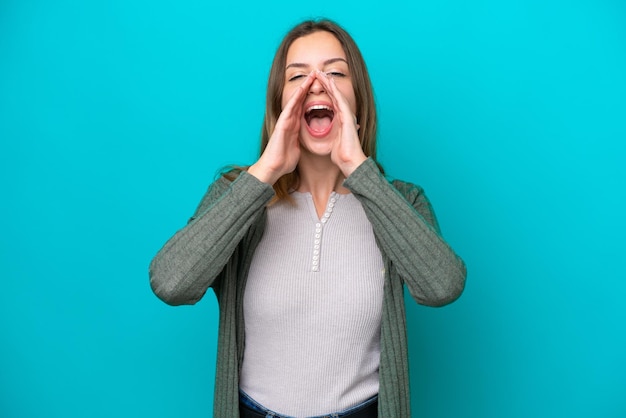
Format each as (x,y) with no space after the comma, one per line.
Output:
(319,119)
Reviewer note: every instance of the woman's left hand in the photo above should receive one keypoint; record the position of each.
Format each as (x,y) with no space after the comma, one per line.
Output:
(346,153)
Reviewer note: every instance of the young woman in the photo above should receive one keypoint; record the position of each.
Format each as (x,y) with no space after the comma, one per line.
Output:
(308,250)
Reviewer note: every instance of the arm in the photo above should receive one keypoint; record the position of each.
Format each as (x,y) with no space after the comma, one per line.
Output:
(189,262)
(407,232)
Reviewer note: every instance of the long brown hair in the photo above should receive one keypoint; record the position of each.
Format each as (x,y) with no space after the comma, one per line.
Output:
(366,107)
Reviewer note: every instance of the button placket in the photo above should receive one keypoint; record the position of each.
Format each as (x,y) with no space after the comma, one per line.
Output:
(319,228)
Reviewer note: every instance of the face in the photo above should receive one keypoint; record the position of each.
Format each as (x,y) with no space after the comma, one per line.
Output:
(318,51)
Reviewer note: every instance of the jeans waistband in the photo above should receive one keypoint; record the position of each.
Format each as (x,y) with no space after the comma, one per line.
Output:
(249,408)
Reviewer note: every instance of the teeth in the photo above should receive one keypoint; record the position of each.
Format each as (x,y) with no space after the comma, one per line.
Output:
(318,107)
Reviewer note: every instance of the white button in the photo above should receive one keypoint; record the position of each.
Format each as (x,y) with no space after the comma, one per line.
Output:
(317,241)
(324,220)
(318,225)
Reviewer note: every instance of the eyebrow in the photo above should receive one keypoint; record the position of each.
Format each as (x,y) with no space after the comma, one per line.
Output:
(327,62)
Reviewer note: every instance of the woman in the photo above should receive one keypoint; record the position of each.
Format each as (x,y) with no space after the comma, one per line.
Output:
(321,243)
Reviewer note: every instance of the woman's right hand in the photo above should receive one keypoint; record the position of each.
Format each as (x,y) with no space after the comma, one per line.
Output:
(282,153)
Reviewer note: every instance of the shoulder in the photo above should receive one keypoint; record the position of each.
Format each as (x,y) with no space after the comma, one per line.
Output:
(411,191)
(225,177)
(416,197)
(220,186)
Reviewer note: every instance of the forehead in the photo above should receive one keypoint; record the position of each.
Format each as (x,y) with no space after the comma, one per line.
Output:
(315,47)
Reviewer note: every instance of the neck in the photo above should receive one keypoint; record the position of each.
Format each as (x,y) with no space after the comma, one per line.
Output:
(320,177)
(318,173)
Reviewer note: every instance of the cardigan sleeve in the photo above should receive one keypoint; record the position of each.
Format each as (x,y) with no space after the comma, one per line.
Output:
(407,232)
(187,265)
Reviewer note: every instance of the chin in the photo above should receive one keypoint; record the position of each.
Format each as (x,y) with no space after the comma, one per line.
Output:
(317,146)
(318,151)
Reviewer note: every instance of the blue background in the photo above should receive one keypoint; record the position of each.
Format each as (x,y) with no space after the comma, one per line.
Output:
(115,116)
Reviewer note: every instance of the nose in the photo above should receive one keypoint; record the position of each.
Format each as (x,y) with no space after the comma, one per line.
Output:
(316,87)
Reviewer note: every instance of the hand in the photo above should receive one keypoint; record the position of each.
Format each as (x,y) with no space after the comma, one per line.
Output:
(347,152)
(282,153)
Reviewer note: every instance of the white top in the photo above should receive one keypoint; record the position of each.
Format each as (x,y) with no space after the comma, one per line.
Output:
(312,309)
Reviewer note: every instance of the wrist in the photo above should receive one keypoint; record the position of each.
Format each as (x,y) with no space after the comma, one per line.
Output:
(263,174)
(349,167)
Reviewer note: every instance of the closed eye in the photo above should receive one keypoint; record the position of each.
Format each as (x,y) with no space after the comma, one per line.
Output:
(296,77)
(335,74)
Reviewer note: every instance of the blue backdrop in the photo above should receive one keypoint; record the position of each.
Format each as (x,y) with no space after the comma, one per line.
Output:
(115,116)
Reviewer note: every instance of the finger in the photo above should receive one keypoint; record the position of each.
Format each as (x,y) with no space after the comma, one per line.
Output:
(339,102)
(297,98)
(343,103)
(342,108)
(333,93)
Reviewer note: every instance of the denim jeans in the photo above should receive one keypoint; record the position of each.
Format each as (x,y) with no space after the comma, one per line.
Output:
(250,408)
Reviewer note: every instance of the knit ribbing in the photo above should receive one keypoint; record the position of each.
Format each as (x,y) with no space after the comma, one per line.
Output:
(313,306)
(228,225)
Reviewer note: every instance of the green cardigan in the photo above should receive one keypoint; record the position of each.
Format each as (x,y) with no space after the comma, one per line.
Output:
(215,250)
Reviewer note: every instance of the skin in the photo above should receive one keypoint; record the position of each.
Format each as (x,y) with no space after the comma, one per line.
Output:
(316,71)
